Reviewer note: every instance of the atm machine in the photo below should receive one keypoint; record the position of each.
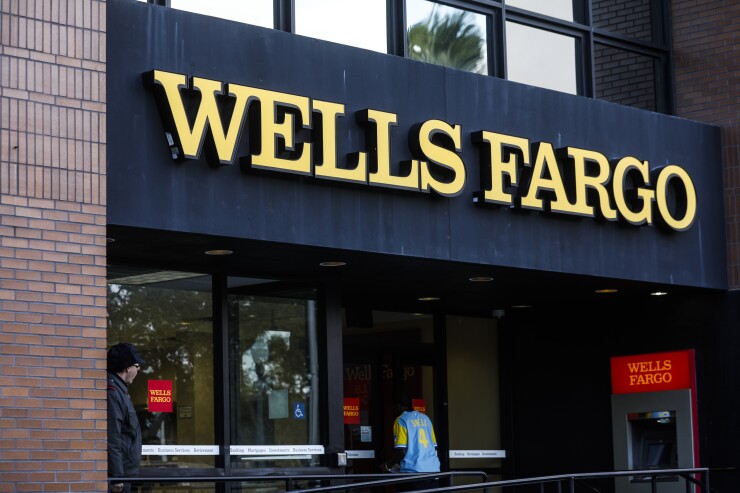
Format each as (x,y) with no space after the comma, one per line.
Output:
(654,420)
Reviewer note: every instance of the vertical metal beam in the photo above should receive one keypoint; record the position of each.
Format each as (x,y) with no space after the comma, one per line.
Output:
(331,368)
(440,390)
(396,27)
(283,12)
(221,395)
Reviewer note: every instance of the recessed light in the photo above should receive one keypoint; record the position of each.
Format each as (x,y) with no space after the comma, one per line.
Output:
(333,263)
(480,279)
(429,298)
(606,291)
(219,253)
(658,293)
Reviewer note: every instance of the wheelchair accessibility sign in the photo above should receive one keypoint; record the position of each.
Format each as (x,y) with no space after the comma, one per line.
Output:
(299,410)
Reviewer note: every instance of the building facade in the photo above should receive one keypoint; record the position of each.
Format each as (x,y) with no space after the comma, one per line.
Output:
(360,224)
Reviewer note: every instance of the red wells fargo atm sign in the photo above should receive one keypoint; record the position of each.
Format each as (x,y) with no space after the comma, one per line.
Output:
(652,372)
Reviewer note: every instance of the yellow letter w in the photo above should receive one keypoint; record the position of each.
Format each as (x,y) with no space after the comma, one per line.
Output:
(207,117)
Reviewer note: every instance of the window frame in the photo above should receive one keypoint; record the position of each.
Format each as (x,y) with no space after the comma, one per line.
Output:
(498,13)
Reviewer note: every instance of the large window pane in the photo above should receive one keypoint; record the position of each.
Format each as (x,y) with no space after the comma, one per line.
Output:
(360,23)
(256,12)
(541,58)
(446,36)
(274,381)
(472,355)
(168,317)
(624,77)
(561,9)
(627,17)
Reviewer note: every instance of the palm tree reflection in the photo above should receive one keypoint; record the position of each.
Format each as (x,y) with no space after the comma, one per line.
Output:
(450,39)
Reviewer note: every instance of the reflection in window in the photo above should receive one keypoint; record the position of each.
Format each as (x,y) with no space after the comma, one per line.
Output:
(274,382)
(168,317)
(624,77)
(541,58)
(627,17)
(360,23)
(560,9)
(446,36)
(256,12)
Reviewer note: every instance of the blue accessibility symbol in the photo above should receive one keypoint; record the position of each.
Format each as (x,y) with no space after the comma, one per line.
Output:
(299,410)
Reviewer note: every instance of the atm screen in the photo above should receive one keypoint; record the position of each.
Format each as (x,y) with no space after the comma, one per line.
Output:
(658,455)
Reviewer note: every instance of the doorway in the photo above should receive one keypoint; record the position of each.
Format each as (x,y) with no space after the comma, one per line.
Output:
(448,365)
(385,353)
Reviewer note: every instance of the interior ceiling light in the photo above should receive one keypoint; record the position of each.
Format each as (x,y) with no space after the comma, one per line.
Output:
(218,253)
(110,240)
(429,298)
(658,293)
(606,291)
(333,263)
(480,279)
(521,306)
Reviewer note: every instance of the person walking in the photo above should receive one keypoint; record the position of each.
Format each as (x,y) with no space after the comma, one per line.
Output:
(415,444)
(124,432)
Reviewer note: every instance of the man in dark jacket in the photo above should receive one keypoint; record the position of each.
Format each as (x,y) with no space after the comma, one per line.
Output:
(124,433)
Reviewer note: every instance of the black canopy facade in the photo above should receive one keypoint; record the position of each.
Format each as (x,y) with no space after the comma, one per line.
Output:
(418,222)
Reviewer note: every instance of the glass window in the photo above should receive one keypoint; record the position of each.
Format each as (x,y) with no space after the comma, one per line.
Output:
(624,77)
(256,12)
(472,355)
(628,17)
(274,377)
(446,36)
(561,9)
(360,23)
(168,317)
(541,58)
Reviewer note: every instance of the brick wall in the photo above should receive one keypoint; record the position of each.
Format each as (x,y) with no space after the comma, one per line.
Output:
(52,245)
(707,76)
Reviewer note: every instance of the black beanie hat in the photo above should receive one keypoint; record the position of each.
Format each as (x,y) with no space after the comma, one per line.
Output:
(123,355)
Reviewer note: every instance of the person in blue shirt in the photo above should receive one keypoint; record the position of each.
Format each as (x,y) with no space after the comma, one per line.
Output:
(414,442)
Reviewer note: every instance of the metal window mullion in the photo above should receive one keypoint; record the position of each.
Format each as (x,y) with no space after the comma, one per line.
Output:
(543,21)
(221,393)
(283,12)
(396,27)
(587,56)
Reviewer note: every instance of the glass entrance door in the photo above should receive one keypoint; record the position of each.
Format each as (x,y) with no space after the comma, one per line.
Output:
(393,354)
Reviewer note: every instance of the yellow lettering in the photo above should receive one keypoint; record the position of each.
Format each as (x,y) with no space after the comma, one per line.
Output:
(668,175)
(423,438)
(644,195)
(380,141)
(191,137)
(584,181)
(546,163)
(329,168)
(277,138)
(499,145)
(442,157)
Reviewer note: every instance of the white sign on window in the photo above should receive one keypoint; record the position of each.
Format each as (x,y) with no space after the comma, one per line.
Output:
(179,450)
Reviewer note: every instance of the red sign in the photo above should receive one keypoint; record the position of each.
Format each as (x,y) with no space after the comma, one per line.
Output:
(419,405)
(652,372)
(160,396)
(352,410)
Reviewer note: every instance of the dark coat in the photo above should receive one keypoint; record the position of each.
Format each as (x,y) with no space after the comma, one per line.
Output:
(124,432)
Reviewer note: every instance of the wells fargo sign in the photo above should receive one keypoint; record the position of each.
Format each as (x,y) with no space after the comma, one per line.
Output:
(296,134)
(352,410)
(652,372)
(159,396)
